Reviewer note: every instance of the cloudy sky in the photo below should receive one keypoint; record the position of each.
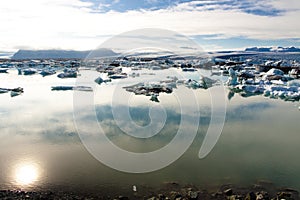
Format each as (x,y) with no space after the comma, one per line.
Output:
(85,24)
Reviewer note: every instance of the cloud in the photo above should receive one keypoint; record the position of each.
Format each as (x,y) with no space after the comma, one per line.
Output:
(74,24)
(152,1)
(115,1)
(103,7)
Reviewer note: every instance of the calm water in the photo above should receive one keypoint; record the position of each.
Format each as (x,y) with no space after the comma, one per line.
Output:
(40,147)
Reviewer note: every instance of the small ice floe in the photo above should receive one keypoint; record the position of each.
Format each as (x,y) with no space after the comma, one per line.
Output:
(47,72)
(78,88)
(192,84)
(273,74)
(294,83)
(215,70)
(100,80)
(61,88)
(29,71)
(203,83)
(3,70)
(72,74)
(186,69)
(16,91)
(232,80)
(294,72)
(253,89)
(149,89)
(278,82)
(287,78)
(154,97)
(207,82)
(3,90)
(287,93)
(283,92)
(245,75)
(247,90)
(118,76)
(155,68)
(13,92)
(275,71)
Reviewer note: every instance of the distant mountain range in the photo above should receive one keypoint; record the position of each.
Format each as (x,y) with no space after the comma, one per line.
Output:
(273,49)
(6,55)
(71,54)
(61,54)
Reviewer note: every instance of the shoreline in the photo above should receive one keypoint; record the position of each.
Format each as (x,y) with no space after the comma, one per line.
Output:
(169,190)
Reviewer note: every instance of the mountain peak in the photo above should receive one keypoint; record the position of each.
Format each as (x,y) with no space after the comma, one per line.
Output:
(273,49)
(61,54)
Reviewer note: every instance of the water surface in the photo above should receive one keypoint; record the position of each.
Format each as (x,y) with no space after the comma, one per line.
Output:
(41,149)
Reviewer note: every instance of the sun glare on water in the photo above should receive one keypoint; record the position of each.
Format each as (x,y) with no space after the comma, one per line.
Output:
(26,174)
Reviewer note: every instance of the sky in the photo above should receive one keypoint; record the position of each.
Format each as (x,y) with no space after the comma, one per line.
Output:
(85,24)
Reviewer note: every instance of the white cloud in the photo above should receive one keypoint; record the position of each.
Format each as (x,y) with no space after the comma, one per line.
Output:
(102,7)
(71,24)
(152,1)
(115,1)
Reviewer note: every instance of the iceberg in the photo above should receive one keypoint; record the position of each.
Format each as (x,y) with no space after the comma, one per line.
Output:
(66,88)
(67,75)
(100,80)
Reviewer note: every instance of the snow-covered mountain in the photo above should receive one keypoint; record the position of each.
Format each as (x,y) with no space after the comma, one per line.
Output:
(61,54)
(273,49)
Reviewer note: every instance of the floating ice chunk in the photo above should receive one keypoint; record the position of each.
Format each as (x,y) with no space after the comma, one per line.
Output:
(278,82)
(3,70)
(273,74)
(118,76)
(3,90)
(13,92)
(100,80)
(284,92)
(253,89)
(47,72)
(29,71)
(295,83)
(232,80)
(186,69)
(67,75)
(154,97)
(62,88)
(192,84)
(65,88)
(156,68)
(275,71)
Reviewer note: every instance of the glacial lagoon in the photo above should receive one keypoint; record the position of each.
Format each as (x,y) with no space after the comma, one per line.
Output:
(41,148)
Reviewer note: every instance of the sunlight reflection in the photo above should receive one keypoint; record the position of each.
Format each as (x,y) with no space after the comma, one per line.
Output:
(26,174)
